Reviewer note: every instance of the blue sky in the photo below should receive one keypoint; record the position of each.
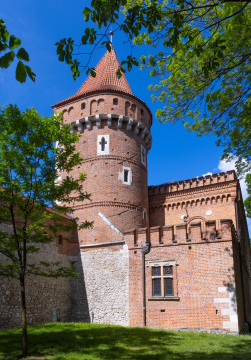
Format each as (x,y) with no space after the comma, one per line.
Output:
(175,154)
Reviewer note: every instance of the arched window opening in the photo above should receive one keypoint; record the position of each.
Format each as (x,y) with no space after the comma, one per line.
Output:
(127,106)
(115,101)
(83,106)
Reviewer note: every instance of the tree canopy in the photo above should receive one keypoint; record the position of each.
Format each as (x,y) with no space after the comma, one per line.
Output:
(29,168)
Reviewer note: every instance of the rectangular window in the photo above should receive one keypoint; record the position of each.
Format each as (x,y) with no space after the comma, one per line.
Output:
(162,279)
(126,173)
(125,176)
(168,286)
(156,287)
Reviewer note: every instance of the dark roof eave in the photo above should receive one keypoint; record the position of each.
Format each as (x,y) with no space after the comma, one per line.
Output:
(77,97)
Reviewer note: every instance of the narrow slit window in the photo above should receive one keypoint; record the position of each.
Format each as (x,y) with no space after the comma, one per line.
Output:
(126,175)
(115,101)
(82,106)
(60,240)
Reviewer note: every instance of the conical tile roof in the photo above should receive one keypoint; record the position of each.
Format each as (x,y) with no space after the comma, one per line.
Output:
(106,78)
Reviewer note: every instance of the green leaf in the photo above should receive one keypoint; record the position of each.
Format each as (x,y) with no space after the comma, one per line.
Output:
(14,42)
(93,74)
(3,47)
(30,73)
(23,55)
(5,36)
(6,59)
(86,11)
(61,57)
(118,74)
(84,39)
(108,46)
(21,72)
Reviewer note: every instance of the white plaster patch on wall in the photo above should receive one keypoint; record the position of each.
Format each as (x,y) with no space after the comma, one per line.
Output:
(232,324)
(221,300)
(223,289)
(106,274)
(124,250)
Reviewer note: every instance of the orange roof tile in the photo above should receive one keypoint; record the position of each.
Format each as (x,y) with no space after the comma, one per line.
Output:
(105,79)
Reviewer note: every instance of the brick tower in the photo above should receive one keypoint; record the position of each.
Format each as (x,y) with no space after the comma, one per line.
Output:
(115,128)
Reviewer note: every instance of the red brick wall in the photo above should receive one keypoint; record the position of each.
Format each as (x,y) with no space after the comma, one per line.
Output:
(166,206)
(202,267)
(72,111)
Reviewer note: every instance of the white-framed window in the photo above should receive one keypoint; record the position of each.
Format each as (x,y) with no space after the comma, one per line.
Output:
(103,145)
(126,175)
(143,155)
(144,214)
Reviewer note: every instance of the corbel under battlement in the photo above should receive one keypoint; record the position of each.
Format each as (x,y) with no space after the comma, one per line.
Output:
(135,126)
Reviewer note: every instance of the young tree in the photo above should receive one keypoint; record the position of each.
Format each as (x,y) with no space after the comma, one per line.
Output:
(29,164)
(7,44)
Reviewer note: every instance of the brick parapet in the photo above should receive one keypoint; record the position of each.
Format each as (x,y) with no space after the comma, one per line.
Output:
(218,230)
(202,181)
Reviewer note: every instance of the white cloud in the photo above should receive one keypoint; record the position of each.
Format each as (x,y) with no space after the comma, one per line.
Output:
(226,166)
(208,173)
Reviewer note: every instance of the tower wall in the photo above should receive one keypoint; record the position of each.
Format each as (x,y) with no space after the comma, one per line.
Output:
(124,122)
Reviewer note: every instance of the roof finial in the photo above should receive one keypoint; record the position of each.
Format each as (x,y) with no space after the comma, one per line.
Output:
(111,33)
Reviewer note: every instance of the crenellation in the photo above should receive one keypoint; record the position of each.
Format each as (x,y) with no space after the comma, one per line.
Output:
(174,186)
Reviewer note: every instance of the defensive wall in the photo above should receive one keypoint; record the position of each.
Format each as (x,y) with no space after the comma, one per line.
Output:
(210,290)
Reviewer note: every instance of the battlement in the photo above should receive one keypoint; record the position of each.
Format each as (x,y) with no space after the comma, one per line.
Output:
(200,181)
(186,232)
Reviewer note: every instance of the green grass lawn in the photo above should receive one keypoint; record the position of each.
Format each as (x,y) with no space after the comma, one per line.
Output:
(102,342)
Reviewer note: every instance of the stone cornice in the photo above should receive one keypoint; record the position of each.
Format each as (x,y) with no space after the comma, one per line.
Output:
(132,125)
(206,188)
(108,203)
(120,242)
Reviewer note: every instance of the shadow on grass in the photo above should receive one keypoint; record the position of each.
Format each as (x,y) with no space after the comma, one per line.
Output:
(99,342)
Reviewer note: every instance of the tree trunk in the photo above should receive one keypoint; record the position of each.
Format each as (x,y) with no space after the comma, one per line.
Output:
(24,319)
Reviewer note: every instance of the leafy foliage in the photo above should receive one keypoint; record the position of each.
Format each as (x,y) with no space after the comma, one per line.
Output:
(10,42)
(28,184)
